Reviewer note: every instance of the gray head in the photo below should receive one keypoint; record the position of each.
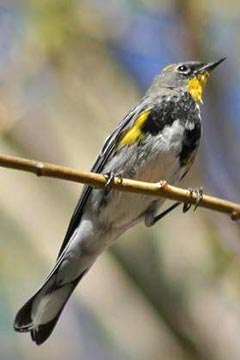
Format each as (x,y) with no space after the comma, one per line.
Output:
(191,75)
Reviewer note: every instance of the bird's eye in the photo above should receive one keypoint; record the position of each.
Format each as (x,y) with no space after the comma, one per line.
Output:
(183,69)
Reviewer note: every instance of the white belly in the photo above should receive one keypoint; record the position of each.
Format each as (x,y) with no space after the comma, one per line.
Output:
(123,209)
(156,161)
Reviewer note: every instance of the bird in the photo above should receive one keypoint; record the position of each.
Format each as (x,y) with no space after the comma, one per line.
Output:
(158,139)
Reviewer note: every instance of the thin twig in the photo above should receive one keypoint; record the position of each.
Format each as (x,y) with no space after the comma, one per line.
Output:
(161,189)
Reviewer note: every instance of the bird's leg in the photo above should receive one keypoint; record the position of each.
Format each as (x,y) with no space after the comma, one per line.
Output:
(151,220)
(199,196)
(108,186)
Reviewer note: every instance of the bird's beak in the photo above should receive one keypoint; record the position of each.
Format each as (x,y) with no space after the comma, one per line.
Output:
(210,66)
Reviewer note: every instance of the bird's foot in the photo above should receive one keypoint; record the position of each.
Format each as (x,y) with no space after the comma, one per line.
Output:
(108,186)
(199,195)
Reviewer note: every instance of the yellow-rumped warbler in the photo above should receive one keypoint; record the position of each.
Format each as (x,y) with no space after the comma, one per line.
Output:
(157,140)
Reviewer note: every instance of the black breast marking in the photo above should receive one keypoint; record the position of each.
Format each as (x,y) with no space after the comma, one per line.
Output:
(160,116)
(190,142)
(167,109)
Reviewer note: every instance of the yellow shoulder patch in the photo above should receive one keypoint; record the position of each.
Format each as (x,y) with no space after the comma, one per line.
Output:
(135,132)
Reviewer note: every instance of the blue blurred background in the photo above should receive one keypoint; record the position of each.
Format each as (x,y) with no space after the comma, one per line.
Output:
(69,71)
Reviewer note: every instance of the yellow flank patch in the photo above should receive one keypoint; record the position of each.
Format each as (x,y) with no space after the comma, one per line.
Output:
(135,132)
(196,86)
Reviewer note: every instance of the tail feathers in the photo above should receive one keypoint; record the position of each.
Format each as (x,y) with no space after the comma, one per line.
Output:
(42,332)
(41,313)
(23,320)
(23,323)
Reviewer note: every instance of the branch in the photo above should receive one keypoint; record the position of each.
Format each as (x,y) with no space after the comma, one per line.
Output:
(161,189)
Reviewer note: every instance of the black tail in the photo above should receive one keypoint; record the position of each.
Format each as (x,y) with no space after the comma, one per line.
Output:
(41,313)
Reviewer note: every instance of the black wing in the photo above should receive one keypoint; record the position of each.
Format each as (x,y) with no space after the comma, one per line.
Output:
(98,166)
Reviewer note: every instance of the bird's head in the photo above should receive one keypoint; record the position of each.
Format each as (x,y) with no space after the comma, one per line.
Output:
(192,74)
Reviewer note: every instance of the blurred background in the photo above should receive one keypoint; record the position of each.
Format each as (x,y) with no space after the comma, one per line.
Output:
(69,72)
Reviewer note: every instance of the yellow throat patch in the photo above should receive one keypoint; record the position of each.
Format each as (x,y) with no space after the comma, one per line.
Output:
(135,132)
(196,86)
